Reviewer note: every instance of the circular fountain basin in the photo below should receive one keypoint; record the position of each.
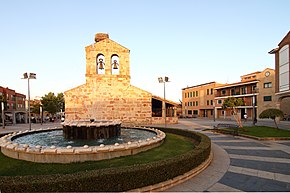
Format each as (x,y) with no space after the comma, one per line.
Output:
(82,150)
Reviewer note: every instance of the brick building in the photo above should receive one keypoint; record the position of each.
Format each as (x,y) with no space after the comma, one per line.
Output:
(108,94)
(198,100)
(205,100)
(282,75)
(14,106)
(256,89)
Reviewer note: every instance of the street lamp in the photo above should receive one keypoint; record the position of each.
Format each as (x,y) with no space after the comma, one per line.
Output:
(213,110)
(255,90)
(3,117)
(31,76)
(41,114)
(166,79)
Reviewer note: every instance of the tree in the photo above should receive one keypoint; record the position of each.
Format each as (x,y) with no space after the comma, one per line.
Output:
(271,114)
(60,102)
(232,103)
(36,108)
(52,103)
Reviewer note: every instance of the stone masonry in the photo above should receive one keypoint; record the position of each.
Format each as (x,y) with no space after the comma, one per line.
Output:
(108,96)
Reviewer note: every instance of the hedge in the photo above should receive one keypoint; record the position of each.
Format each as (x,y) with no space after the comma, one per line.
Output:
(115,179)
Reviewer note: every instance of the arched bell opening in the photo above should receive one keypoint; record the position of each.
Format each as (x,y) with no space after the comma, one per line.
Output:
(100,64)
(115,65)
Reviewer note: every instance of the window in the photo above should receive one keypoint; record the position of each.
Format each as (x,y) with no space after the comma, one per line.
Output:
(195,112)
(224,92)
(268,85)
(207,102)
(244,90)
(220,101)
(267,98)
(196,103)
(284,68)
(190,94)
(207,91)
(211,102)
(196,93)
(211,91)
(184,95)
(232,91)
(254,88)
(193,94)
(193,103)
(189,112)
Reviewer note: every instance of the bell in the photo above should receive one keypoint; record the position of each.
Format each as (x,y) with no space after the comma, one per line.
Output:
(115,64)
(101,64)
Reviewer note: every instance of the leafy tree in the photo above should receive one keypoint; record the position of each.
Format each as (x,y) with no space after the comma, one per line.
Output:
(52,103)
(232,103)
(60,102)
(271,114)
(36,108)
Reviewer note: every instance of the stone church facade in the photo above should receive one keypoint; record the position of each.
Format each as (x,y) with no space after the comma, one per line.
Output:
(107,93)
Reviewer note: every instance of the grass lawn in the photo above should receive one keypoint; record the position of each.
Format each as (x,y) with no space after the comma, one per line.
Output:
(173,145)
(263,131)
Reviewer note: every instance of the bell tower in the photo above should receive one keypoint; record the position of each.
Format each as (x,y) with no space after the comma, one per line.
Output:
(107,60)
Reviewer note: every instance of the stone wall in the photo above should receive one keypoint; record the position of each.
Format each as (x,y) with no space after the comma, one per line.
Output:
(108,101)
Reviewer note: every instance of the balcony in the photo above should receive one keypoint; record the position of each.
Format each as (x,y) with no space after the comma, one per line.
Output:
(227,94)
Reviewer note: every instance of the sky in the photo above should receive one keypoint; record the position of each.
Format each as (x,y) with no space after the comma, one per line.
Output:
(190,41)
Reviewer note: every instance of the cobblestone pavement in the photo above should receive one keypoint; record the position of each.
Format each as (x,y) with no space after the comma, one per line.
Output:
(241,164)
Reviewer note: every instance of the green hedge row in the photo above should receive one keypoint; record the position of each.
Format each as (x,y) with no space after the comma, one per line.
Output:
(115,179)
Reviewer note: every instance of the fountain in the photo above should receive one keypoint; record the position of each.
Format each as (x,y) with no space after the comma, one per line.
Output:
(80,141)
(91,129)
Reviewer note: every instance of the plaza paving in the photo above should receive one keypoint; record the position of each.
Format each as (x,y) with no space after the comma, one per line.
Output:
(239,164)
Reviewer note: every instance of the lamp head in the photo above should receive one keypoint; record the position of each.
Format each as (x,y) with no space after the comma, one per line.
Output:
(25,75)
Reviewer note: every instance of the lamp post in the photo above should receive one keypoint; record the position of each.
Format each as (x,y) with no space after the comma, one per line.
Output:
(161,80)
(214,110)
(3,117)
(31,76)
(255,90)
(41,114)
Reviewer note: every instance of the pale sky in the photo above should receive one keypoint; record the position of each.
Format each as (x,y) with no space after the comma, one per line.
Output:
(190,41)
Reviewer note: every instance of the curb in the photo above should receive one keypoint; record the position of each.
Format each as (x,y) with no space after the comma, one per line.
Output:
(253,137)
(265,138)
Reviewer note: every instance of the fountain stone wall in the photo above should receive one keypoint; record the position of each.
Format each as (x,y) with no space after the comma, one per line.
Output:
(91,129)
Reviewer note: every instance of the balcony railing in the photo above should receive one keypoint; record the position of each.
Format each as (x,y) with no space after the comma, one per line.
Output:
(233,94)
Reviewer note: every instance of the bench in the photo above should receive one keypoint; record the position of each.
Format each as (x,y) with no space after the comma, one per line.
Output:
(225,125)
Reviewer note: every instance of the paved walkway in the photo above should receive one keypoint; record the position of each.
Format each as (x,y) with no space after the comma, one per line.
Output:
(239,164)
(23,127)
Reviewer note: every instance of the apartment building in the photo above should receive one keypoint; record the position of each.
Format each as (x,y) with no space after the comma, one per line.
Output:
(282,75)
(14,111)
(198,100)
(256,89)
